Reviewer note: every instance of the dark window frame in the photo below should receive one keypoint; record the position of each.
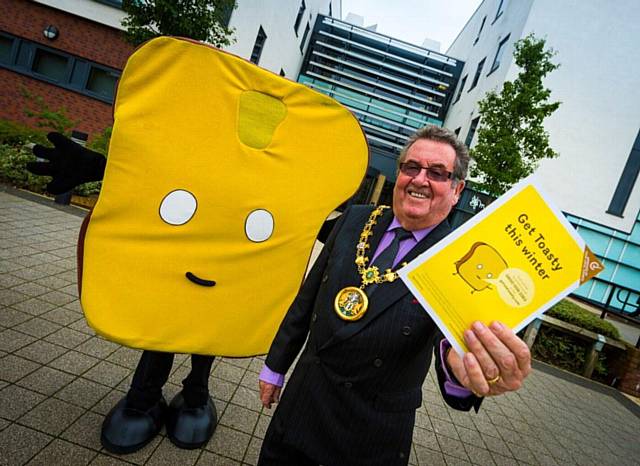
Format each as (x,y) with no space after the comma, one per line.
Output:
(501,44)
(258,46)
(68,66)
(476,77)
(307,29)
(14,48)
(484,20)
(499,11)
(627,181)
(301,10)
(114,3)
(473,127)
(88,76)
(79,86)
(463,82)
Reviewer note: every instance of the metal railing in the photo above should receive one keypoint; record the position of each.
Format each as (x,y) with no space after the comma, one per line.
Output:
(625,298)
(617,302)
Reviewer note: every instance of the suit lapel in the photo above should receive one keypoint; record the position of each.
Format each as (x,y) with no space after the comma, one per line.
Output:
(387,293)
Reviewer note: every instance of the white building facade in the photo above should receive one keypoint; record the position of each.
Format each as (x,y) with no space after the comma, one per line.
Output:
(285,26)
(596,129)
(281,29)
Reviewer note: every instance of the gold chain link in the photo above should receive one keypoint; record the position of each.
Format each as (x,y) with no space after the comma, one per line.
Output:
(372,274)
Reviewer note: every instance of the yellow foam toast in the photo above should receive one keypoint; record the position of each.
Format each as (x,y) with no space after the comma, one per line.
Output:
(219,177)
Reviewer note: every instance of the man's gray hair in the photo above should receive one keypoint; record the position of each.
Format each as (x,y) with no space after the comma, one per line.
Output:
(436,133)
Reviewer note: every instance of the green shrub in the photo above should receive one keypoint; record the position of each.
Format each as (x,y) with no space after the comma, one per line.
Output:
(567,351)
(13,160)
(100,143)
(572,313)
(17,134)
(560,349)
(45,118)
(14,136)
(88,189)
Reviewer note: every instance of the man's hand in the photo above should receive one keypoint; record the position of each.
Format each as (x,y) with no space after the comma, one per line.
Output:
(69,164)
(269,393)
(497,362)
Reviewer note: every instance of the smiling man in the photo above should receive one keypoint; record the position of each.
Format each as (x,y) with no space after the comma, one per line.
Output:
(424,198)
(352,397)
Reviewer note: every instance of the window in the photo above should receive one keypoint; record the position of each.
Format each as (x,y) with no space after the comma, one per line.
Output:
(102,82)
(462,83)
(478,72)
(627,181)
(6,47)
(500,10)
(330,9)
(304,37)
(114,3)
(480,30)
(499,53)
(50,65)
(282,73)
(472,131)
(225,14)
(301,10)
(57,67)
(258,45)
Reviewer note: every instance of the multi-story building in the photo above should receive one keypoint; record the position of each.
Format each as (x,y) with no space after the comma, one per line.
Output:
(71,52)
(392,87)
(275,34)
(596,129)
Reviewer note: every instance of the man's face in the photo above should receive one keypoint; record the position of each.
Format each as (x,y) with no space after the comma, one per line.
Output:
(419,202)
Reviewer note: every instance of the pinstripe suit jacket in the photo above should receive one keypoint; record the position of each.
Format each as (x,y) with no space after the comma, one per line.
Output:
(352,396)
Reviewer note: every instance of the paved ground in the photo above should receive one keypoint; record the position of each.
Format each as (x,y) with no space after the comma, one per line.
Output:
(57,381)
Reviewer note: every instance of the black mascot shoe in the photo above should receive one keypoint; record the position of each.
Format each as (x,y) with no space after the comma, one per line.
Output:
(126,429)
(190,427)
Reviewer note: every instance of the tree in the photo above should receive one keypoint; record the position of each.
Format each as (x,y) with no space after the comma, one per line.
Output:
(512,139)
(196,19)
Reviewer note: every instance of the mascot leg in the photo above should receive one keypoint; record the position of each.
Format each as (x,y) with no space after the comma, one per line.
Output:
(190,419)
(192,416)
(138,417)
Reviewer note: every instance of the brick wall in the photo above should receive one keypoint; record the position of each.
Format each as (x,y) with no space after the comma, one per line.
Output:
(92,115)
(630,372)
(79,37)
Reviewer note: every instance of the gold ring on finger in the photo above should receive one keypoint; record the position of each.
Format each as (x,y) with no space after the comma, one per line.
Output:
(494,380)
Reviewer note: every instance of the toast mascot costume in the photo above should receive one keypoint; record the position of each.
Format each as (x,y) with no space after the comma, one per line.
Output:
(219,177)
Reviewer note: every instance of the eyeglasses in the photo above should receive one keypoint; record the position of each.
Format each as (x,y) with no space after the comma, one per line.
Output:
(412,169)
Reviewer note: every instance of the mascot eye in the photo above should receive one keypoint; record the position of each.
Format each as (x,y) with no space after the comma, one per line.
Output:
(259,225)
(479,266)
(489,275)
(178,207)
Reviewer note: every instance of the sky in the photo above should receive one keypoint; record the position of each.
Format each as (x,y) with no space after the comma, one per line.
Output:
(414,20)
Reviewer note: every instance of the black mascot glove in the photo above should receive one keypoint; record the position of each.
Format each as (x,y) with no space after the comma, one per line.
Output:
(69,164)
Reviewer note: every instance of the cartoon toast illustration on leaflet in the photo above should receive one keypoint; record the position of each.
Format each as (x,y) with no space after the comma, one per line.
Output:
(480,264)
(219,176)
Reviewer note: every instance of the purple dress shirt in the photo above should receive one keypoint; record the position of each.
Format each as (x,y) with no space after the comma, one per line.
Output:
(451,386)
